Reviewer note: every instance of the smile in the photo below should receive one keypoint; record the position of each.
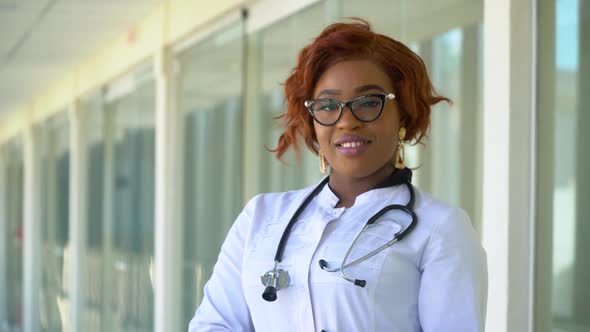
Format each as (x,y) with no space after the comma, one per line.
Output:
(352,145)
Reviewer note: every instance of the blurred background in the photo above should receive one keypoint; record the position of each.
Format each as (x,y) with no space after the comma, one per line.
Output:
(133,132)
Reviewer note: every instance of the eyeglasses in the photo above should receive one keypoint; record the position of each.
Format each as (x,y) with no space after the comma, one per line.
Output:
(365,108)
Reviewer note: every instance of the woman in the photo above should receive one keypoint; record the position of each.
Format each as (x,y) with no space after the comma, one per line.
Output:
(355,97)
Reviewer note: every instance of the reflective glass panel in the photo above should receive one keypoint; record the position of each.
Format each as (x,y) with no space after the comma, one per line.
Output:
(272,53)
(128,208)
(95,271)
(210,99)
(55,179)
(11,214)
(447,35)
(562,296)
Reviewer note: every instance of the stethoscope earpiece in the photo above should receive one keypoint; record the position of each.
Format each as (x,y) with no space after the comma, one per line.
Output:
(357,282)
(360,283)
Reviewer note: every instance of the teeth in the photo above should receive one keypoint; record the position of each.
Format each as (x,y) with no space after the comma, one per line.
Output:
(351,144)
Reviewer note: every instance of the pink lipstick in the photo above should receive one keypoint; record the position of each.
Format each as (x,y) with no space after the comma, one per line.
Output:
(351,145)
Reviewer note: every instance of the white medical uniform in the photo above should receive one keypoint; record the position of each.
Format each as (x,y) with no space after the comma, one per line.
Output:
(435,279)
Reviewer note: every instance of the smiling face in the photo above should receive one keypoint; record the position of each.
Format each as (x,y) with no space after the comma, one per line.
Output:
(353,148)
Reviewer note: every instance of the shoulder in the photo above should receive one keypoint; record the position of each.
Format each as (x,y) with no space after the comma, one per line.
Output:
(267,214)
(439,216)
(449,232)
(447,229)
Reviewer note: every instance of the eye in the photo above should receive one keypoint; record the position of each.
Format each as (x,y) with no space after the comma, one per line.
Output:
(325,106)
(369,103)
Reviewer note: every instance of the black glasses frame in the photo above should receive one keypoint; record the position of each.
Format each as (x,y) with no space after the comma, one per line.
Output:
(383,97)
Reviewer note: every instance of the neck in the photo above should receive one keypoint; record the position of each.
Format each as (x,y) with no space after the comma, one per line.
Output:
(349,188)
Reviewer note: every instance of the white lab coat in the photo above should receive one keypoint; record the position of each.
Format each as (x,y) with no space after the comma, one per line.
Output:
(433,280)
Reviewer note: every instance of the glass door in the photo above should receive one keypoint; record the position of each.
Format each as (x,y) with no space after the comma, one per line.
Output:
(55,246)
(210,99)
(11,214)
(562,293)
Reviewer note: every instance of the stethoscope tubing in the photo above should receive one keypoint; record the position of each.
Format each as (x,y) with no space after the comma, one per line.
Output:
(406,208)
(287,231)
(276,279)
(360,259)
(397,237)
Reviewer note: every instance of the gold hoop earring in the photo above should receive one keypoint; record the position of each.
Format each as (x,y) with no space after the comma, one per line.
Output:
(400,154)
(323,163)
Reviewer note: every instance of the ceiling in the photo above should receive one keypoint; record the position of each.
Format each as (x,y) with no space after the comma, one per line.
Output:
(41,40)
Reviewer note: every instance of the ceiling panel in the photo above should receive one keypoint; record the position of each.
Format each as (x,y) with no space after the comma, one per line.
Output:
(14,21)
(40,40)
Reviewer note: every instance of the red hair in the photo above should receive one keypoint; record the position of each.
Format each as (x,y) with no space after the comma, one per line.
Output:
(413,89)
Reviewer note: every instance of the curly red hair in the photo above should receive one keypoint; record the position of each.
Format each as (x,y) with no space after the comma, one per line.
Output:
(356,41)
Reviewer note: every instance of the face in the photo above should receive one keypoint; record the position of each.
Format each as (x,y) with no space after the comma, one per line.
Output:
(354,148)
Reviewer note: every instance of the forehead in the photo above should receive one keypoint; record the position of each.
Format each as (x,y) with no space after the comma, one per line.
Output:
(350,74)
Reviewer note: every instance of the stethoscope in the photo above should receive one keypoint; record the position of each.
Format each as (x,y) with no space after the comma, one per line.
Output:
(276,279)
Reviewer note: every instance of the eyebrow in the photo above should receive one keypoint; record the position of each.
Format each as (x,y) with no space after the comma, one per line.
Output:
(359,89)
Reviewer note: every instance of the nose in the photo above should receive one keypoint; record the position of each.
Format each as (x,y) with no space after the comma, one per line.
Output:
(348,120)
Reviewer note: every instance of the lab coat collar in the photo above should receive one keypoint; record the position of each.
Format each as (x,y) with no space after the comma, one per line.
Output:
(384,191)
(328,199)
(385,195)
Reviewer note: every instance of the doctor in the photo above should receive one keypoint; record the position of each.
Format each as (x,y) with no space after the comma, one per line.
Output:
(330,257)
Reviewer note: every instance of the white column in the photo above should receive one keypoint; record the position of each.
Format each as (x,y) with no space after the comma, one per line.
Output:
(78,216)
(495,158)
(522,161)
(32,231)
(508,157)
(107,318)
(168,223)
(252,172)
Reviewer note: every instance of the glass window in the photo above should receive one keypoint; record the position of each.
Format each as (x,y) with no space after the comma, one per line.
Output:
(55,179)
(447,35)
(210,99)
(128,208)
(562,295)
(12,216)
(95,272)
(118,266)
(272,53)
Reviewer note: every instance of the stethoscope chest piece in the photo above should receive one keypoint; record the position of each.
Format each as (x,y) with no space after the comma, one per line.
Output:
(274,280)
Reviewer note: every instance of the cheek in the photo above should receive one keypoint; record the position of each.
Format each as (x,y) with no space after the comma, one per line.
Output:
(389,130)
(389,142)
(321,134)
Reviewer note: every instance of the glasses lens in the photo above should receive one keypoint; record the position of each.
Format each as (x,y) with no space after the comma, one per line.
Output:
(325,111)
(368,108)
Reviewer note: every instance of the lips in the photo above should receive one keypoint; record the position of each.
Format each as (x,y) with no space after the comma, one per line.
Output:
(352,145)
(351,139)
